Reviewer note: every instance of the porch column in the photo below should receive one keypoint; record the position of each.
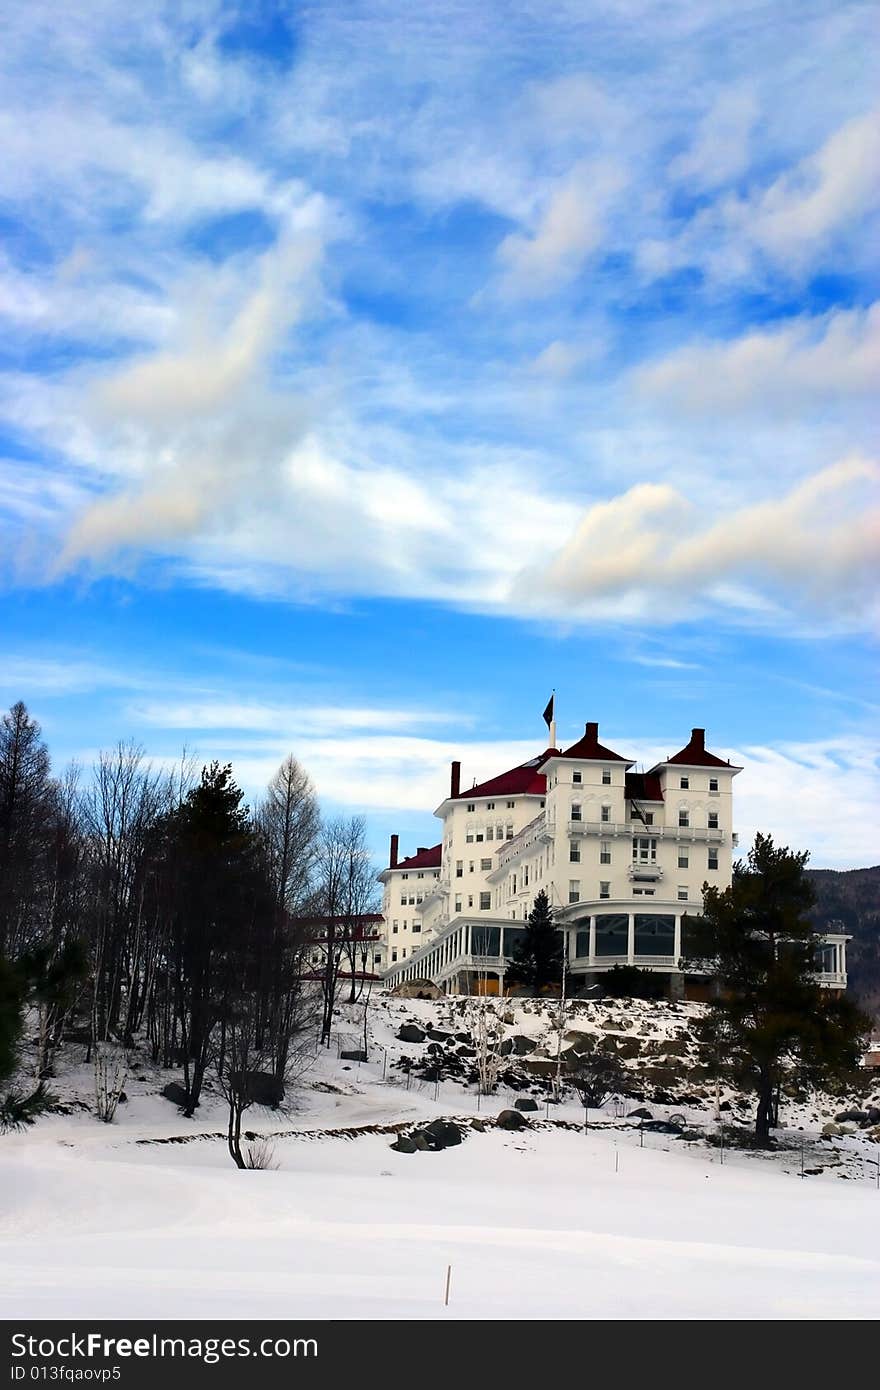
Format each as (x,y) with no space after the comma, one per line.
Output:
(676,944)
(592,939)
(631,939)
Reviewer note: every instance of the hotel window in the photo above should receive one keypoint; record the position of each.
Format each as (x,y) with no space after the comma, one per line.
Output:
(459,868)
(377,958)
(685,783)
(575,810)
(403,900)
(713,859)
(606,777)
(470,899)
(469,838)
(649,818)
(485,865)
(470,866)
(574,853)
(417,926)
(577,777)
(682,893)
(644,849)
(404,875)
(509,832)
(472,806)
(643,892)
(605,852)
(499,832)
(713,820)
(510,805)
(684,818)
(490,832)
(490,805)
(479,837)
(458,904)
(403,954)
(605,889)
(394,954)
(394,926)
(574,890)
(606,814)
(713,784)
(683,861)
(485,902)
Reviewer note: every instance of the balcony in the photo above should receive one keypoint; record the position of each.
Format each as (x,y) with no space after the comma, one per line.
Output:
(644,873)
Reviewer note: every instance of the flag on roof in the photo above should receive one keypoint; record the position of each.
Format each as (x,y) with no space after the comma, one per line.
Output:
(548,713)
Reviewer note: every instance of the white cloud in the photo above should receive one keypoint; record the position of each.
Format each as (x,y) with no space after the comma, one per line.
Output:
(568,229)
(815,547)
(788,365)
(720,148)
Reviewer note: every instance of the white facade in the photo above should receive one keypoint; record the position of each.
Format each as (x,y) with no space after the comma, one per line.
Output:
(622,856)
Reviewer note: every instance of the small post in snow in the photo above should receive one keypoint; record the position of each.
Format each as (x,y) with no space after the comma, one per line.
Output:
(448,1282)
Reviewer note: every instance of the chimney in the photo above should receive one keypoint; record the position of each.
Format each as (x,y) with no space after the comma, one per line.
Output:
(455,779)
(698,739)
(592,732)
(422,849)
(393,856)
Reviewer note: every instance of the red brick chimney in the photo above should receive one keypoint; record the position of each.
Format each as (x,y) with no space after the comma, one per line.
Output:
(698,739)
(455,779)
(592,732)
(392,860)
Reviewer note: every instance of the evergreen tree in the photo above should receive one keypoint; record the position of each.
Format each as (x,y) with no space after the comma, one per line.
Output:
(770,1020)
(537,955)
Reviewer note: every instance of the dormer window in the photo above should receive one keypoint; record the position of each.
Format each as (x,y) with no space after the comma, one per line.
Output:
(472,806)
(577,776)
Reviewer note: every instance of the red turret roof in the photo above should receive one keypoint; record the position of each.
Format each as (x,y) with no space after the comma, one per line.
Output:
(525,780)
(422,859)
(695,754)
(590,749)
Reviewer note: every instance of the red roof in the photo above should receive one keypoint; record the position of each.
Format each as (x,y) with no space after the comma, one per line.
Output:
(525,780)
(422,859)
(589,748)
(694,754)
(644,786)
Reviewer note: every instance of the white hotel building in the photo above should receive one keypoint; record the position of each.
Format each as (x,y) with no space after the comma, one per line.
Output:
(622,856)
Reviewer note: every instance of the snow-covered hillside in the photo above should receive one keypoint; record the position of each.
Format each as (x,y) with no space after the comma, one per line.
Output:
(616,1221)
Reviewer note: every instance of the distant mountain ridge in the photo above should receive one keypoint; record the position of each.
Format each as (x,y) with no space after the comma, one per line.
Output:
(849,900)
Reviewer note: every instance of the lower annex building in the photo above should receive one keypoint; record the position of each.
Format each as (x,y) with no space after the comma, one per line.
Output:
(622,855)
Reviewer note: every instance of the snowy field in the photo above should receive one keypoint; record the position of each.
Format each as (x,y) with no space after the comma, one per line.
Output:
(551,1222)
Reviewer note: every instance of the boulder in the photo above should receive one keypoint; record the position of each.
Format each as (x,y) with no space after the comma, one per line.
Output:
(438,1035)
(522,1045)
(357,1056)
(421,1141)
(873,1113)
(663,1127)
(176,1094)
(403,1145)
(640,1114)
(418,989)
(409,1032)
(857,1116)
(512,1119)
(831,1130)
(442,1134)
(527,1103)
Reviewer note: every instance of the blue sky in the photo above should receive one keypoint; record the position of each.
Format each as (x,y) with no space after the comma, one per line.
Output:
(369,369)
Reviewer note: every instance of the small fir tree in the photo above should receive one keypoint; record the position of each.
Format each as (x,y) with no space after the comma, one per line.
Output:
(537,955)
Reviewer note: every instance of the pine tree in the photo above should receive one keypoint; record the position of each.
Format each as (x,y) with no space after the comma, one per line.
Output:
(537,955)
(770,1020)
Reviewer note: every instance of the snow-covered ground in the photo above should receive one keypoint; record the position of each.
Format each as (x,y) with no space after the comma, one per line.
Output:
(551,1222)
